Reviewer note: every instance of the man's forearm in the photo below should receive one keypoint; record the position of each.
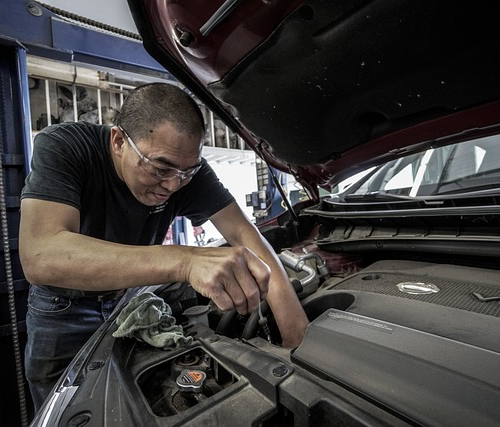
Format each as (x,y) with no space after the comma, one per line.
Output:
(76,261)
(287,310)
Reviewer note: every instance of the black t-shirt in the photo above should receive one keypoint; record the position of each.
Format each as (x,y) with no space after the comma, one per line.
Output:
(72,164)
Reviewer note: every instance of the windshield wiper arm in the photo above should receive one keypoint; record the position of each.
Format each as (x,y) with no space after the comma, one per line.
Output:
(380,195)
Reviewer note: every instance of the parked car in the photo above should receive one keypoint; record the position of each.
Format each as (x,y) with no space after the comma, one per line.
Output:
(398,273)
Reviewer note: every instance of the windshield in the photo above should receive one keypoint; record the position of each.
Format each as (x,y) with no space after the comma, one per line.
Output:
(459,168)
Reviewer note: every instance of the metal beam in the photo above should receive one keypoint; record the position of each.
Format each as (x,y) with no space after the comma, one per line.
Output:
(49,35)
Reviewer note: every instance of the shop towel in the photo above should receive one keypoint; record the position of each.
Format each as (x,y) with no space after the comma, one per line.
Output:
(148,318)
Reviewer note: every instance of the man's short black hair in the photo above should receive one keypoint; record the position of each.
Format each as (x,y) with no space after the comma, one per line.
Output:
(149,105)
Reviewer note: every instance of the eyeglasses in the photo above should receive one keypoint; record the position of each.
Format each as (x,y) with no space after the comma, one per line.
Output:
(159,170)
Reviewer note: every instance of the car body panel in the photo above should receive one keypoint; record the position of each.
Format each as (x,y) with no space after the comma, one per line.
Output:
(334,77)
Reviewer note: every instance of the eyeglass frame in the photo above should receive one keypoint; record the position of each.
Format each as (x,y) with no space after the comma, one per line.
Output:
(181,174)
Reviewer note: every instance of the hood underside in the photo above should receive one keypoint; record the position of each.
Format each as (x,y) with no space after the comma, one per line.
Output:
(324,89)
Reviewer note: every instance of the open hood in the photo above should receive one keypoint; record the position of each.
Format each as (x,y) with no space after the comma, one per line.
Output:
(324,89)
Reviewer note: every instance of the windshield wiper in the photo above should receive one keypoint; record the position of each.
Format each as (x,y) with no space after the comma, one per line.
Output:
(379,196)
(481,180)
(473,191)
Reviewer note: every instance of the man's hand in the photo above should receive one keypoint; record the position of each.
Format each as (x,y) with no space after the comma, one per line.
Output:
(283,301)
(232,277)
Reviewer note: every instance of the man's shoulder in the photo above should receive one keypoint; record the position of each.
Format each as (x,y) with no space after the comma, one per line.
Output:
(73,134)
(77,128)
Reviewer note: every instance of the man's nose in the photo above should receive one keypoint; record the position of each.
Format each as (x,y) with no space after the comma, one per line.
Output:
(172,184)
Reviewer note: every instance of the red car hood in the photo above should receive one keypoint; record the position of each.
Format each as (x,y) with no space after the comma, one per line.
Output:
(324,89)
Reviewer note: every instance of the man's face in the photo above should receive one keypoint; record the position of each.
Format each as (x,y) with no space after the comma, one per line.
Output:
(164,148)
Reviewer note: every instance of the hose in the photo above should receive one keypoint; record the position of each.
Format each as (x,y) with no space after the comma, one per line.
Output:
(298,263)
(255,320)
(225,324)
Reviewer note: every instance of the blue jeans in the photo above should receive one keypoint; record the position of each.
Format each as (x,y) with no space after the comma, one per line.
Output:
(57,327)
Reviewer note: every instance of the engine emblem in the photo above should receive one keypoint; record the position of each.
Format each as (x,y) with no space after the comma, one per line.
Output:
(418,288)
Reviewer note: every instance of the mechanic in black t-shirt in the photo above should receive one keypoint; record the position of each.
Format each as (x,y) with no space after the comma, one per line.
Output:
(95,209)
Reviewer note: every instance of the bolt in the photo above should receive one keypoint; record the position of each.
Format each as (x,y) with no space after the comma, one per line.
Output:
(34,9)
(280,371)
(186,38)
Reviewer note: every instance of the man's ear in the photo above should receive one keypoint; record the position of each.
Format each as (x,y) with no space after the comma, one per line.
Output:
(117,141)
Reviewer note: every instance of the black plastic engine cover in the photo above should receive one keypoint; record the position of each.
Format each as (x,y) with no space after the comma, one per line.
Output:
(424,378)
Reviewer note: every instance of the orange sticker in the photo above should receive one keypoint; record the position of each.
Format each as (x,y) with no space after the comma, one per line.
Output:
(195,375)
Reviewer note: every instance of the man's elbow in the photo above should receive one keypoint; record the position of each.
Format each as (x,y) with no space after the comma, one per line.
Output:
(31,265)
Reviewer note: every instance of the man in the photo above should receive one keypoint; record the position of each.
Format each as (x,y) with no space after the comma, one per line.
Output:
(95,209)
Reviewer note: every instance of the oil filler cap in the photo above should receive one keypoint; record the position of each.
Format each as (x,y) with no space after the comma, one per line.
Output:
(191,380)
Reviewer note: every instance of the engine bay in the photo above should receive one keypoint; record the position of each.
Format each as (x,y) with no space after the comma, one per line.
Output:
(395,343)
(391,341)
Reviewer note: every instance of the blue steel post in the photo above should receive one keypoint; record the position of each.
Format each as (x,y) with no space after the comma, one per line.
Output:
(15,135)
